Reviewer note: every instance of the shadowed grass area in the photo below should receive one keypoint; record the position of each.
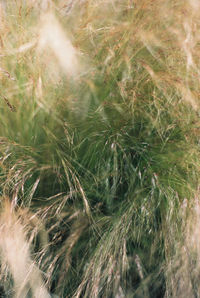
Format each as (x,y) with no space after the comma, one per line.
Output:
(99,149)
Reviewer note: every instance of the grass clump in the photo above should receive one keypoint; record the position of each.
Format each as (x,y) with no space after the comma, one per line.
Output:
(99,149)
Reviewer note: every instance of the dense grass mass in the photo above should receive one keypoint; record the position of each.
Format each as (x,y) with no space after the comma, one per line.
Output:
(99,148)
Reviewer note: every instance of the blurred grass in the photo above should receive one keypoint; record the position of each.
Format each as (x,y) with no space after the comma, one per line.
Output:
(101,162)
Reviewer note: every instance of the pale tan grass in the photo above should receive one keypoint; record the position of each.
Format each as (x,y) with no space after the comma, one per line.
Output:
(15,252)
(53,36)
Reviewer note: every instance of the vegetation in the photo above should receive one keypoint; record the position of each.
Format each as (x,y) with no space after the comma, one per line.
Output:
(99,148)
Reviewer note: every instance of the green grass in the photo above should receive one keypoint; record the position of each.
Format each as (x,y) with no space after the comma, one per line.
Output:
(99,163)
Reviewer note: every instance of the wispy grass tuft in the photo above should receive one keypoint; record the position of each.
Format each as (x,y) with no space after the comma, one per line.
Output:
(99,148)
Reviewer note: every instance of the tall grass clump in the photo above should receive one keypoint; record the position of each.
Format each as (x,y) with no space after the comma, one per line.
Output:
(99,148)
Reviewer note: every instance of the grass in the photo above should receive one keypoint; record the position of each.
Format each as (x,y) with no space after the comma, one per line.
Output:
(99,148)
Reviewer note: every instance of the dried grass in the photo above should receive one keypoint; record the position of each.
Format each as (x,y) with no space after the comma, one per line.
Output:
(16,254)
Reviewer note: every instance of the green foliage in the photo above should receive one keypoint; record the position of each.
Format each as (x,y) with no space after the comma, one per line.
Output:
(105,160)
